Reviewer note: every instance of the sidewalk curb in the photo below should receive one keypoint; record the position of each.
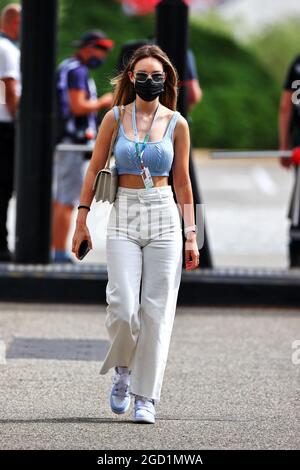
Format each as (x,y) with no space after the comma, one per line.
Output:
(86,284)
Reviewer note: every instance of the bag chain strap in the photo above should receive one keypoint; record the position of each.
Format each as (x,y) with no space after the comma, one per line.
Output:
(114,137)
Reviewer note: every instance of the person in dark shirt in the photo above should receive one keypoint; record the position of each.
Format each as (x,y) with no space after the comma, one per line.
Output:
(194,91)
(77,108)
(289,137)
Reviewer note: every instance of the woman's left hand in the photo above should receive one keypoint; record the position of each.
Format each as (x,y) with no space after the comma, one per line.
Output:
(191,254)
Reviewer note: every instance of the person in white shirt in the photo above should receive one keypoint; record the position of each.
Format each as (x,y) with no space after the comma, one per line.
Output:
(10,90)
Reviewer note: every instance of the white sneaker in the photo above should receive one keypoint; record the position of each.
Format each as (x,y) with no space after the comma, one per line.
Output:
(144,410)
(120,397)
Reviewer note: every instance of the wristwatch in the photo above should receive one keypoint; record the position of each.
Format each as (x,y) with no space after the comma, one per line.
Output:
(190,228)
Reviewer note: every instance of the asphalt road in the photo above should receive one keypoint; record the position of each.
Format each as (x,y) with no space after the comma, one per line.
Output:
(232,381)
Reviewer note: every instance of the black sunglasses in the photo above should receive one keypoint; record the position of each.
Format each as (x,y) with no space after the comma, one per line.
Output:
(143,76)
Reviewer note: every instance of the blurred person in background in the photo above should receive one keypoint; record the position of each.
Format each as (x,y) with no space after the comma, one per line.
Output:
(9,101)
(289,137)
(77,108)
(194,91)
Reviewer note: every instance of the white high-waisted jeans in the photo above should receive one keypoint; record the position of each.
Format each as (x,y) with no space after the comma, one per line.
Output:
(144,265)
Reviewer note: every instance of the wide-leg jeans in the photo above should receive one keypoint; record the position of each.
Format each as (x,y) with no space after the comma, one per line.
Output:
(144,265)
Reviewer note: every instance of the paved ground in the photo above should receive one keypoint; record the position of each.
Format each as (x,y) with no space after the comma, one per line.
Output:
(245,210)
(230,381)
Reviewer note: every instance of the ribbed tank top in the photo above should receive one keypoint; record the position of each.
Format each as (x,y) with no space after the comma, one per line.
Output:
(158,155)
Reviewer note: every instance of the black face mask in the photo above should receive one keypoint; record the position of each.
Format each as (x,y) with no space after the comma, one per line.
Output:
(149,90)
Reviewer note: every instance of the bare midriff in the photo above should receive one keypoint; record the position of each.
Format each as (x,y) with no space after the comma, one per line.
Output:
(136,181)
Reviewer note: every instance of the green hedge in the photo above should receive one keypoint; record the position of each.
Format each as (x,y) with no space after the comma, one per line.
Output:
(277,45)
(240,99)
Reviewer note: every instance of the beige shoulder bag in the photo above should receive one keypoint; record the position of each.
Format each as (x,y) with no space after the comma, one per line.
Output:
(106,181)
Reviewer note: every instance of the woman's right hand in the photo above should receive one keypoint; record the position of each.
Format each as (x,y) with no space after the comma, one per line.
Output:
(81,233)
(285,162)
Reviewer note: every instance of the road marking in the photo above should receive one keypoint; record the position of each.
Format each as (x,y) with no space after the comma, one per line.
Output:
(263,180)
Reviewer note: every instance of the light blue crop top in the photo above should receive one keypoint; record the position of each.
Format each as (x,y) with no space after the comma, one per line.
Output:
(158,155)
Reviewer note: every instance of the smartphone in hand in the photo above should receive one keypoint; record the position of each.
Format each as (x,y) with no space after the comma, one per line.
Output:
(83,249)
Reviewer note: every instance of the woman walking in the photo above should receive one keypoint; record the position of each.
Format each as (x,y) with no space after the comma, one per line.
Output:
(144,234)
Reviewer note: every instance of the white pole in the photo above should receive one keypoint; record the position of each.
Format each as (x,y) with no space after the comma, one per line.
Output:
(252,154)
(75,147)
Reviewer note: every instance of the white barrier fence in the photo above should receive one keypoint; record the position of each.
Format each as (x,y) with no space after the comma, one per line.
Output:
(75,147)
(252,154)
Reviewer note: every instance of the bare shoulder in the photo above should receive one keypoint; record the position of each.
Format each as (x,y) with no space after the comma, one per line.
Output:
(181,121)
(182,127)
(110,116)
(109,120)
(166,112)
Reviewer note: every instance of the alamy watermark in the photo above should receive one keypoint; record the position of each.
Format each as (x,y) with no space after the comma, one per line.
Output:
(146,220)
(2,92)
(296,94)
(296,353)
(2,352)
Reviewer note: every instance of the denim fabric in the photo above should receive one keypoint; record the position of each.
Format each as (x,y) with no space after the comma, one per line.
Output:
(144,264)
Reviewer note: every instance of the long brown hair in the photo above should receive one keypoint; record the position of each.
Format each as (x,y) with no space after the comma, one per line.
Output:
(124,89)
